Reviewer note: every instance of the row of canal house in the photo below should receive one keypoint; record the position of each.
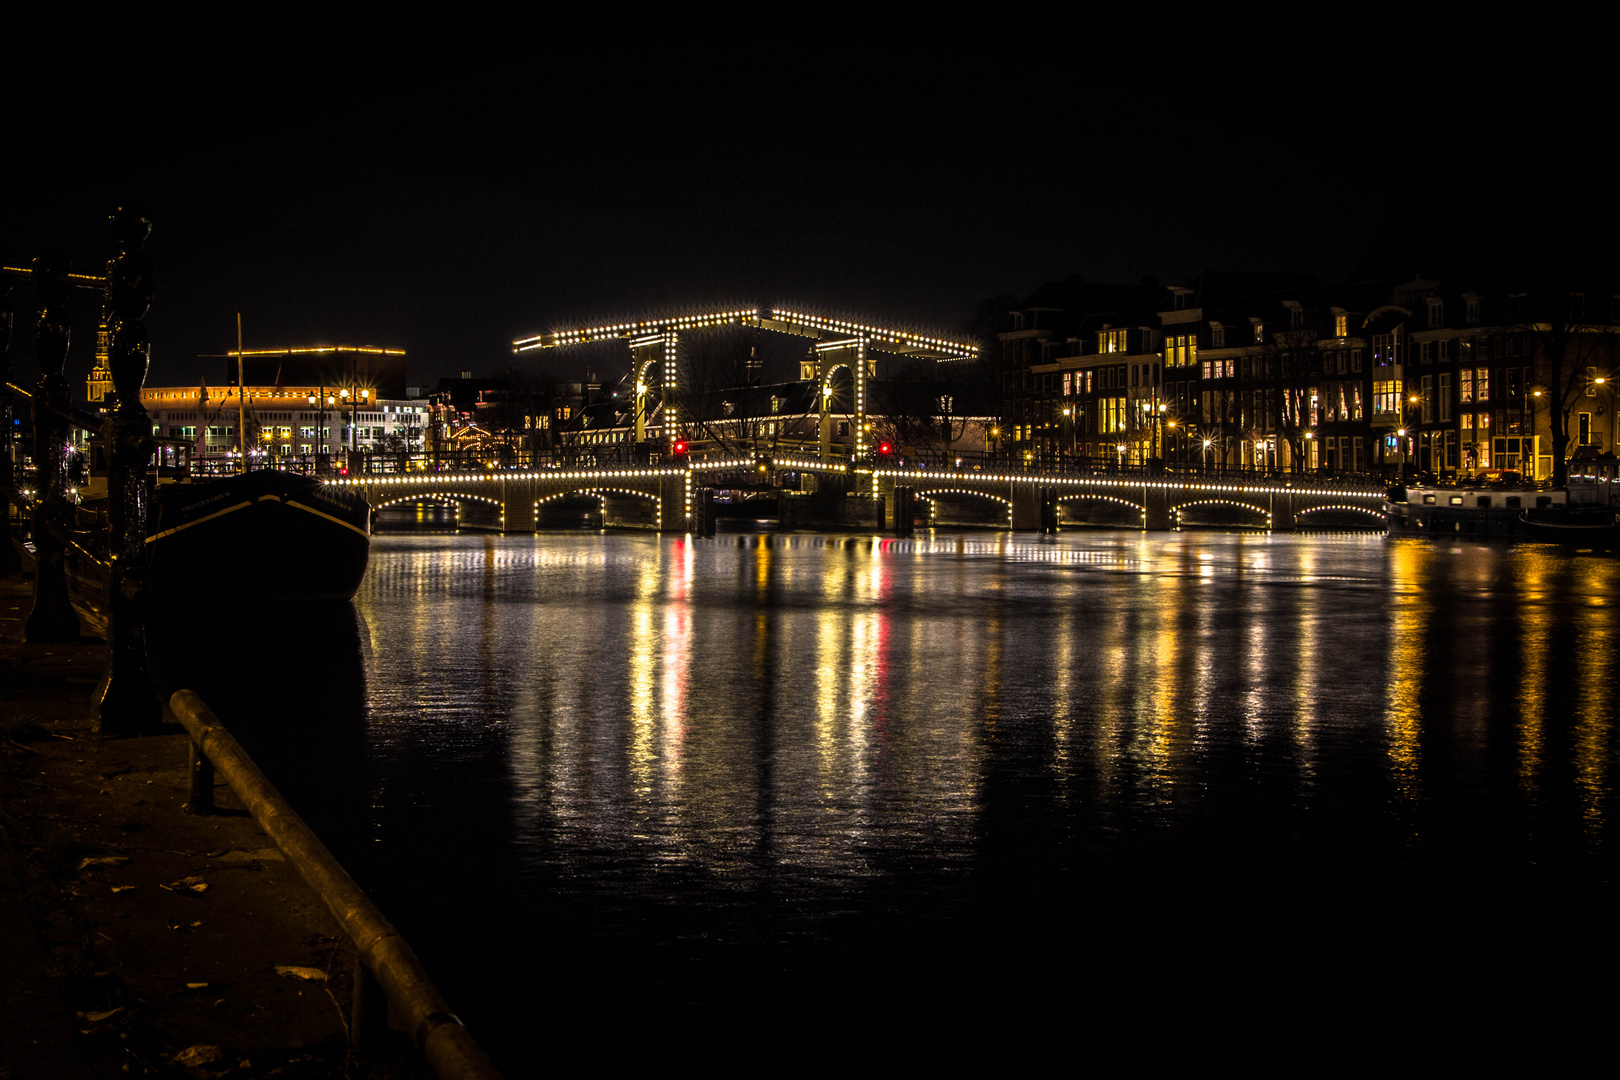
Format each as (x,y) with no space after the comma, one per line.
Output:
(1470,372)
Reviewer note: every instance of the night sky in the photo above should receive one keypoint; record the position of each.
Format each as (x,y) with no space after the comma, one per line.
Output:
(447,211)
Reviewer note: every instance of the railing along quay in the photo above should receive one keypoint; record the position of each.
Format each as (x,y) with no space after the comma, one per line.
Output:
(385,963)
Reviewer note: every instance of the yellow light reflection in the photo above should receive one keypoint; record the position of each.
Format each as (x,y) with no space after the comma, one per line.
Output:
(1409,566)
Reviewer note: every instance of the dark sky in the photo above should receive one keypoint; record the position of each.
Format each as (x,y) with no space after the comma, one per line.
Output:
(448,211)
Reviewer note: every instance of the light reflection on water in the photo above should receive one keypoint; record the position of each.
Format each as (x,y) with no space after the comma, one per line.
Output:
(830,730)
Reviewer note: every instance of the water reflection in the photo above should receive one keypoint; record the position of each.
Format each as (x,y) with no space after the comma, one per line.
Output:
(674,746)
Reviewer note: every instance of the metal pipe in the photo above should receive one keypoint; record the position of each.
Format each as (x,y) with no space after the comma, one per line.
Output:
(437,1032)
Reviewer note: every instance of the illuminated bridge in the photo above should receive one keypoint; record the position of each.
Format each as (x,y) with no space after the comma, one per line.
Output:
(673,497)
(851,489)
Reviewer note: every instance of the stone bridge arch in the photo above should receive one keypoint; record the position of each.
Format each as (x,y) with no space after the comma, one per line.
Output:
(931,496)
(1230,507)
(602,494)
(1343,515)
(492,509)
(1109,501)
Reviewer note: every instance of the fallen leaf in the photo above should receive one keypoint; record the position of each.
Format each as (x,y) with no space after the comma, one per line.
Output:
(122,888)
(308,974)
(98,1017)
(200,1054)
(192,884)
(195,986)
(103,860)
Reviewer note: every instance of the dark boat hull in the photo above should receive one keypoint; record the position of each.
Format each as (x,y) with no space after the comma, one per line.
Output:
(260,535)
(1600,531)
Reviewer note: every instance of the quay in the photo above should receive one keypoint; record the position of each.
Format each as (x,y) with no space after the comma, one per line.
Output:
(133,935)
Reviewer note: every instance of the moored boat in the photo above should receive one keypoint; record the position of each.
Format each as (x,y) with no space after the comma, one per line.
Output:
(1597,528)
(259,534)
(1468,511)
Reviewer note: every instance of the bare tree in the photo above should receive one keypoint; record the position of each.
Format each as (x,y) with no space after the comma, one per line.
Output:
(1568,352)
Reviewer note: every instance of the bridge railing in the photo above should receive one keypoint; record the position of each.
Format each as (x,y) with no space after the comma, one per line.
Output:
(1080,465)
(610,456)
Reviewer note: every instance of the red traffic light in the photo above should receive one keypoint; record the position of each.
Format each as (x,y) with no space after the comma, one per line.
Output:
(885,449)
(680,448)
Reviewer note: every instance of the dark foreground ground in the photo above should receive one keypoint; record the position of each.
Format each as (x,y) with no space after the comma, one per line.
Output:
(115,960)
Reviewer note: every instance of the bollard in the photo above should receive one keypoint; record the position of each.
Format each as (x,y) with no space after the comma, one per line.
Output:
(200,793)
(368,1012)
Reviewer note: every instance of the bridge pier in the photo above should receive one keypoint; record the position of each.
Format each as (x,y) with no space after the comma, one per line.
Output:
(517,512)
(1156,507)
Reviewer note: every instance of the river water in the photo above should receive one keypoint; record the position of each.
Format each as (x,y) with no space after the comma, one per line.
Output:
(627,787)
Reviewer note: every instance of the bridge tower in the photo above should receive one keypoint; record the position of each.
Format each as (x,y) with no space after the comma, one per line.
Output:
(849,354)
(662,349)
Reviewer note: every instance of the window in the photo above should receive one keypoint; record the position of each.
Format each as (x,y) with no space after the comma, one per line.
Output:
(1472,310)
(1583,429)
(1427,395)
(1425,352)
(1465,385)
(1341,326)
(1437,312)
(1217,336)
(1387,349)
(1448,349)
(1259,332)
(1355,361)
(1591,382)
(1387,396)
(1445,397)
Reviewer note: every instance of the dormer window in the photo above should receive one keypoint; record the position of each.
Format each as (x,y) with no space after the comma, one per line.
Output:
(1471,308)
(1341,323)
(1259,331)
(1217,336)
(1296,314)
(1437,311)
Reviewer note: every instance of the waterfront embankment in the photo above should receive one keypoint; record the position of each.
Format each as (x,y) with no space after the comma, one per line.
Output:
(137,939)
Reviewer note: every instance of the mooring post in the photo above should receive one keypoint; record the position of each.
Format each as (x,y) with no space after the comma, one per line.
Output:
(200,790)
(10,560)
(128,705)
(368,1011)
(52,618)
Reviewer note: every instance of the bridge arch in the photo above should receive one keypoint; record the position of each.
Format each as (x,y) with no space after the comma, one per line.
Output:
(455,497)
(1176,512)
(457,500)
(1375,518)
(1094,496)
(601,493)
(931,495)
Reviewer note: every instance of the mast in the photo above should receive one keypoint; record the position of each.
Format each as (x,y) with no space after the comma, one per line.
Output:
(241,399)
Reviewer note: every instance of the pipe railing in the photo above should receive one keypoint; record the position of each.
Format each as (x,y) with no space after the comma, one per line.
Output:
(385,960)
